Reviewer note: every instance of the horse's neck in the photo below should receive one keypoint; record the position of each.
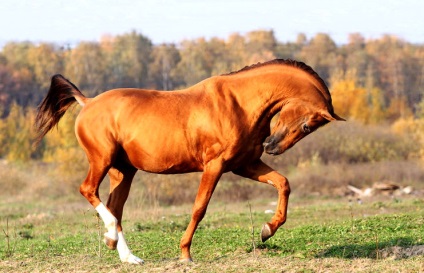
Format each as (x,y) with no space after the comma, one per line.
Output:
(258,98)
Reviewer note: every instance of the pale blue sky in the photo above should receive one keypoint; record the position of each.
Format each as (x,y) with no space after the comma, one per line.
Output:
(71,21)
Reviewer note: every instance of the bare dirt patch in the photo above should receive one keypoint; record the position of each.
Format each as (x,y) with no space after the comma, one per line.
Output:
(397,252)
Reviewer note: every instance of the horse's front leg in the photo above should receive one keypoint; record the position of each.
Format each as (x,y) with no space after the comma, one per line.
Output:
(210,177)
(261,172)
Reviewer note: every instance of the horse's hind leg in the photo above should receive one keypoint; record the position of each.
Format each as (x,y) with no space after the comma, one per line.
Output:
(261,172)
(90,190)
(121,176)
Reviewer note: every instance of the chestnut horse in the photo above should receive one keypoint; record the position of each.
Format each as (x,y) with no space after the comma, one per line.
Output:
(219,125)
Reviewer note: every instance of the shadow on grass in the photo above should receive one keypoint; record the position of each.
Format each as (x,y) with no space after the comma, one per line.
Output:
(266,247)
(399,248)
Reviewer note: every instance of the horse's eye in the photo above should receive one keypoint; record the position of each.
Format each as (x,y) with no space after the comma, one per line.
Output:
(306,128)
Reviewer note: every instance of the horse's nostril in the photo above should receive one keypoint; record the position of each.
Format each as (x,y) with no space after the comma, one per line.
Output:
(268,140)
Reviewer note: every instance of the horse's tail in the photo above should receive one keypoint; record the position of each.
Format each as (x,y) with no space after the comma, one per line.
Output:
(62,94)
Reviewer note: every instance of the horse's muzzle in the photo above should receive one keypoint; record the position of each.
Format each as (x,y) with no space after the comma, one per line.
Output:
(271,146)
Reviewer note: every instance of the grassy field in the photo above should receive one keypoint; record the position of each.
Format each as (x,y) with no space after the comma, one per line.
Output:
(321,235)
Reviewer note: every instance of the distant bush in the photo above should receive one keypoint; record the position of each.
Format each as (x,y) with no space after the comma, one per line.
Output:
(349,142)
(35,180)
(332,180)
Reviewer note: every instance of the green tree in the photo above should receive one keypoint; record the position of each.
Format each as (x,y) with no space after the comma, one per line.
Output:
(321,54)
(237,56)
(389,63)
(85,66)
(356,58)
(16,54)
(45,60)
(290,50)
(129,60)
(165,58)
(194,65)
(260,46)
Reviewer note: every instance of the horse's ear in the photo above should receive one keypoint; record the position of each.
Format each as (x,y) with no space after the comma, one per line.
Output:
(337,117)
(331,117)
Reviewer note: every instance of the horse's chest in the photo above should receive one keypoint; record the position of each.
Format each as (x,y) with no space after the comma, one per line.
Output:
(245,154)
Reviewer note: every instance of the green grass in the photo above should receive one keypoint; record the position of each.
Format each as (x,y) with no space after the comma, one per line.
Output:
(320,235)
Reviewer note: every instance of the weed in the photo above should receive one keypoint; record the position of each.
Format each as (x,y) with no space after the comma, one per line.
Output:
(9,249)
(253,230)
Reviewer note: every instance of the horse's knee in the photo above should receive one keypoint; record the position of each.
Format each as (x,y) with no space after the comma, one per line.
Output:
(87,190)
(285,189)
(198,215)
(84,191)
(281,184)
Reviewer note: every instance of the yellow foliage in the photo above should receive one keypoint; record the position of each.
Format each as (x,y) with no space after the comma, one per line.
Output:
(398,109)
(412,129)
(60,138)
(61,145)
(3,137)
(377,113)
(17,134)
(357,103)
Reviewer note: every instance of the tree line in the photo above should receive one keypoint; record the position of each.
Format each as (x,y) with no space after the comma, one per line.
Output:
(372,81)
(386,73)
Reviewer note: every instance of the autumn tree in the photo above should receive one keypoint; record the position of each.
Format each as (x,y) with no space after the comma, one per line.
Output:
(352,101)
(20,86)
(85,66)
(17,134)
(389,67)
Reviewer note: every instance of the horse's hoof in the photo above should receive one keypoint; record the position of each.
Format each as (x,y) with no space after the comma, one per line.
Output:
(186,260)
(266,233)
(131,259)
(110,243)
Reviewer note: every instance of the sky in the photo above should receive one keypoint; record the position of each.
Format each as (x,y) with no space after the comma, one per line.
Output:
(172,21)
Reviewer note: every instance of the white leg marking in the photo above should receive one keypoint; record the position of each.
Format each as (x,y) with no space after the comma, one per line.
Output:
(270,182)
(109,220)
(124,252)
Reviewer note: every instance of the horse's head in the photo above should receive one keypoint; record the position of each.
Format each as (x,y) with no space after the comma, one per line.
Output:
(296,121)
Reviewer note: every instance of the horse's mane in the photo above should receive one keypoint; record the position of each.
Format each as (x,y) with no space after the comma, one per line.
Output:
(288,62)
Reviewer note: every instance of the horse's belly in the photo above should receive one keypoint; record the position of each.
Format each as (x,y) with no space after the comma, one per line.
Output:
(158,165)
(166,160)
